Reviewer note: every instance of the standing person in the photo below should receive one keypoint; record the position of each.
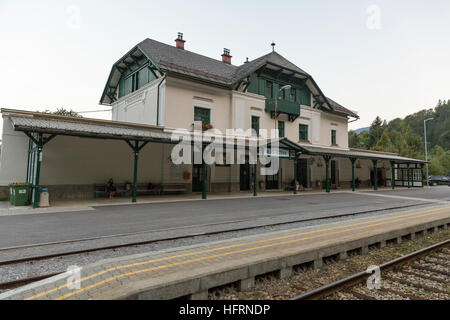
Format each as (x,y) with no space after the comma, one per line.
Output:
(111,188)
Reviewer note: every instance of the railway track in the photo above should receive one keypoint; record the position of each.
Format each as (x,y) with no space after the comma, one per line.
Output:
(22,282)
(420,275)
(194,234)
(31,259)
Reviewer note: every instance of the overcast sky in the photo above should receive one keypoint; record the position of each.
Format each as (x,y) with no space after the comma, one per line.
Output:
(386,58)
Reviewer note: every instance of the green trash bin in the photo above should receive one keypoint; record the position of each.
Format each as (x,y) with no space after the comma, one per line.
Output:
(19,193)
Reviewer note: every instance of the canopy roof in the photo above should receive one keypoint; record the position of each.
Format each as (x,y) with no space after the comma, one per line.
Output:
(357,153)
(36,122)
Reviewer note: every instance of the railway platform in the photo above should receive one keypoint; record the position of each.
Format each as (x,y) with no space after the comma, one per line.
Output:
(189,272)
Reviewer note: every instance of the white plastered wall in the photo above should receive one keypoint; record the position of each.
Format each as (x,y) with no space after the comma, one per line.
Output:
(13,165)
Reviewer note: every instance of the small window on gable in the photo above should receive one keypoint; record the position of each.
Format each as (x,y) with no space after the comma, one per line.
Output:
(255,124)
(333,137)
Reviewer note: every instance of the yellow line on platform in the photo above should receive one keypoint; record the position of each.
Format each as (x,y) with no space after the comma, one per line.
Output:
(388,220)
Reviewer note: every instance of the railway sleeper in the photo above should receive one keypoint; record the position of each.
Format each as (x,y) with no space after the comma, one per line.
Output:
(403,294)
(422,268)
(423,276)
(415,285)
(440,263)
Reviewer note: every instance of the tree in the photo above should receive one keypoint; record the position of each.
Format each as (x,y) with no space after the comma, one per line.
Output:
(65,112)
(353,139)
(384,143)
(376,130)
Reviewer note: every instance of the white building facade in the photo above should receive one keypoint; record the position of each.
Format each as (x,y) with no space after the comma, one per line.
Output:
(162,87)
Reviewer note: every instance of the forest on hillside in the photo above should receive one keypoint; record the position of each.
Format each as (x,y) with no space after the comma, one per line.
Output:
(406,137)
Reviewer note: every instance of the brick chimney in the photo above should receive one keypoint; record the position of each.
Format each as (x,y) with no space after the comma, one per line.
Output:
(226,57)
(179,42)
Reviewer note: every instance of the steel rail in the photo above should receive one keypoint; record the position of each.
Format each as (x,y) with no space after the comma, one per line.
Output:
(24,281)
(359,277)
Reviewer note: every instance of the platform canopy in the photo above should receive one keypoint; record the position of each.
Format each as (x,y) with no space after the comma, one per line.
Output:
(357,153)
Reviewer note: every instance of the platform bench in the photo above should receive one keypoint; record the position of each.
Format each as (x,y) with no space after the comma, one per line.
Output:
(173,188)
(100,191)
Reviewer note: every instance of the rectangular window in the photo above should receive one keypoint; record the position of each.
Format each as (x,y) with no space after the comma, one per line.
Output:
(303,132)
(203,115)
(293,94)
(281,129)
(255,124)
(269,90)
(333,137)
(135,82)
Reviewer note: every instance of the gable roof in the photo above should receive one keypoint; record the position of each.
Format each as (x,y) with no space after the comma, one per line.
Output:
(171,58)
(341,109)
(168,58)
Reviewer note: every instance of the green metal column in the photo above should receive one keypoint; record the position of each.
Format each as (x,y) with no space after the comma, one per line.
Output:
(38,171)
(393,175)
(295,174)
(28,159)
(375,180)
(421,173)
(353,160)
(204,186)
(136,158)
(327,174)
(255,176)
(136,148)
(409,177)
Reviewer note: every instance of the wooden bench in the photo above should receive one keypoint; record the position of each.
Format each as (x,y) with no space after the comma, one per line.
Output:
(141,188)
(173,188)
(100,190)
(148,188)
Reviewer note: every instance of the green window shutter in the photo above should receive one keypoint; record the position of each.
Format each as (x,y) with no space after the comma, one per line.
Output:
(255,124)
(128,85)
(303,132)
(298,93)
(275,90)
(305,96)
(143,77)
(262,86)
(253,87)
(333,137)
(121,88)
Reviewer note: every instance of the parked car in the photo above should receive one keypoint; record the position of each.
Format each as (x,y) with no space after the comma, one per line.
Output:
(438,180)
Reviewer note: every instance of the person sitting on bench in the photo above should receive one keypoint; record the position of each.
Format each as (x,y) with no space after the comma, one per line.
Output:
(111,188)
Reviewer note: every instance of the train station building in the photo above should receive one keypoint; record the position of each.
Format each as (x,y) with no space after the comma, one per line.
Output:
(156,89)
